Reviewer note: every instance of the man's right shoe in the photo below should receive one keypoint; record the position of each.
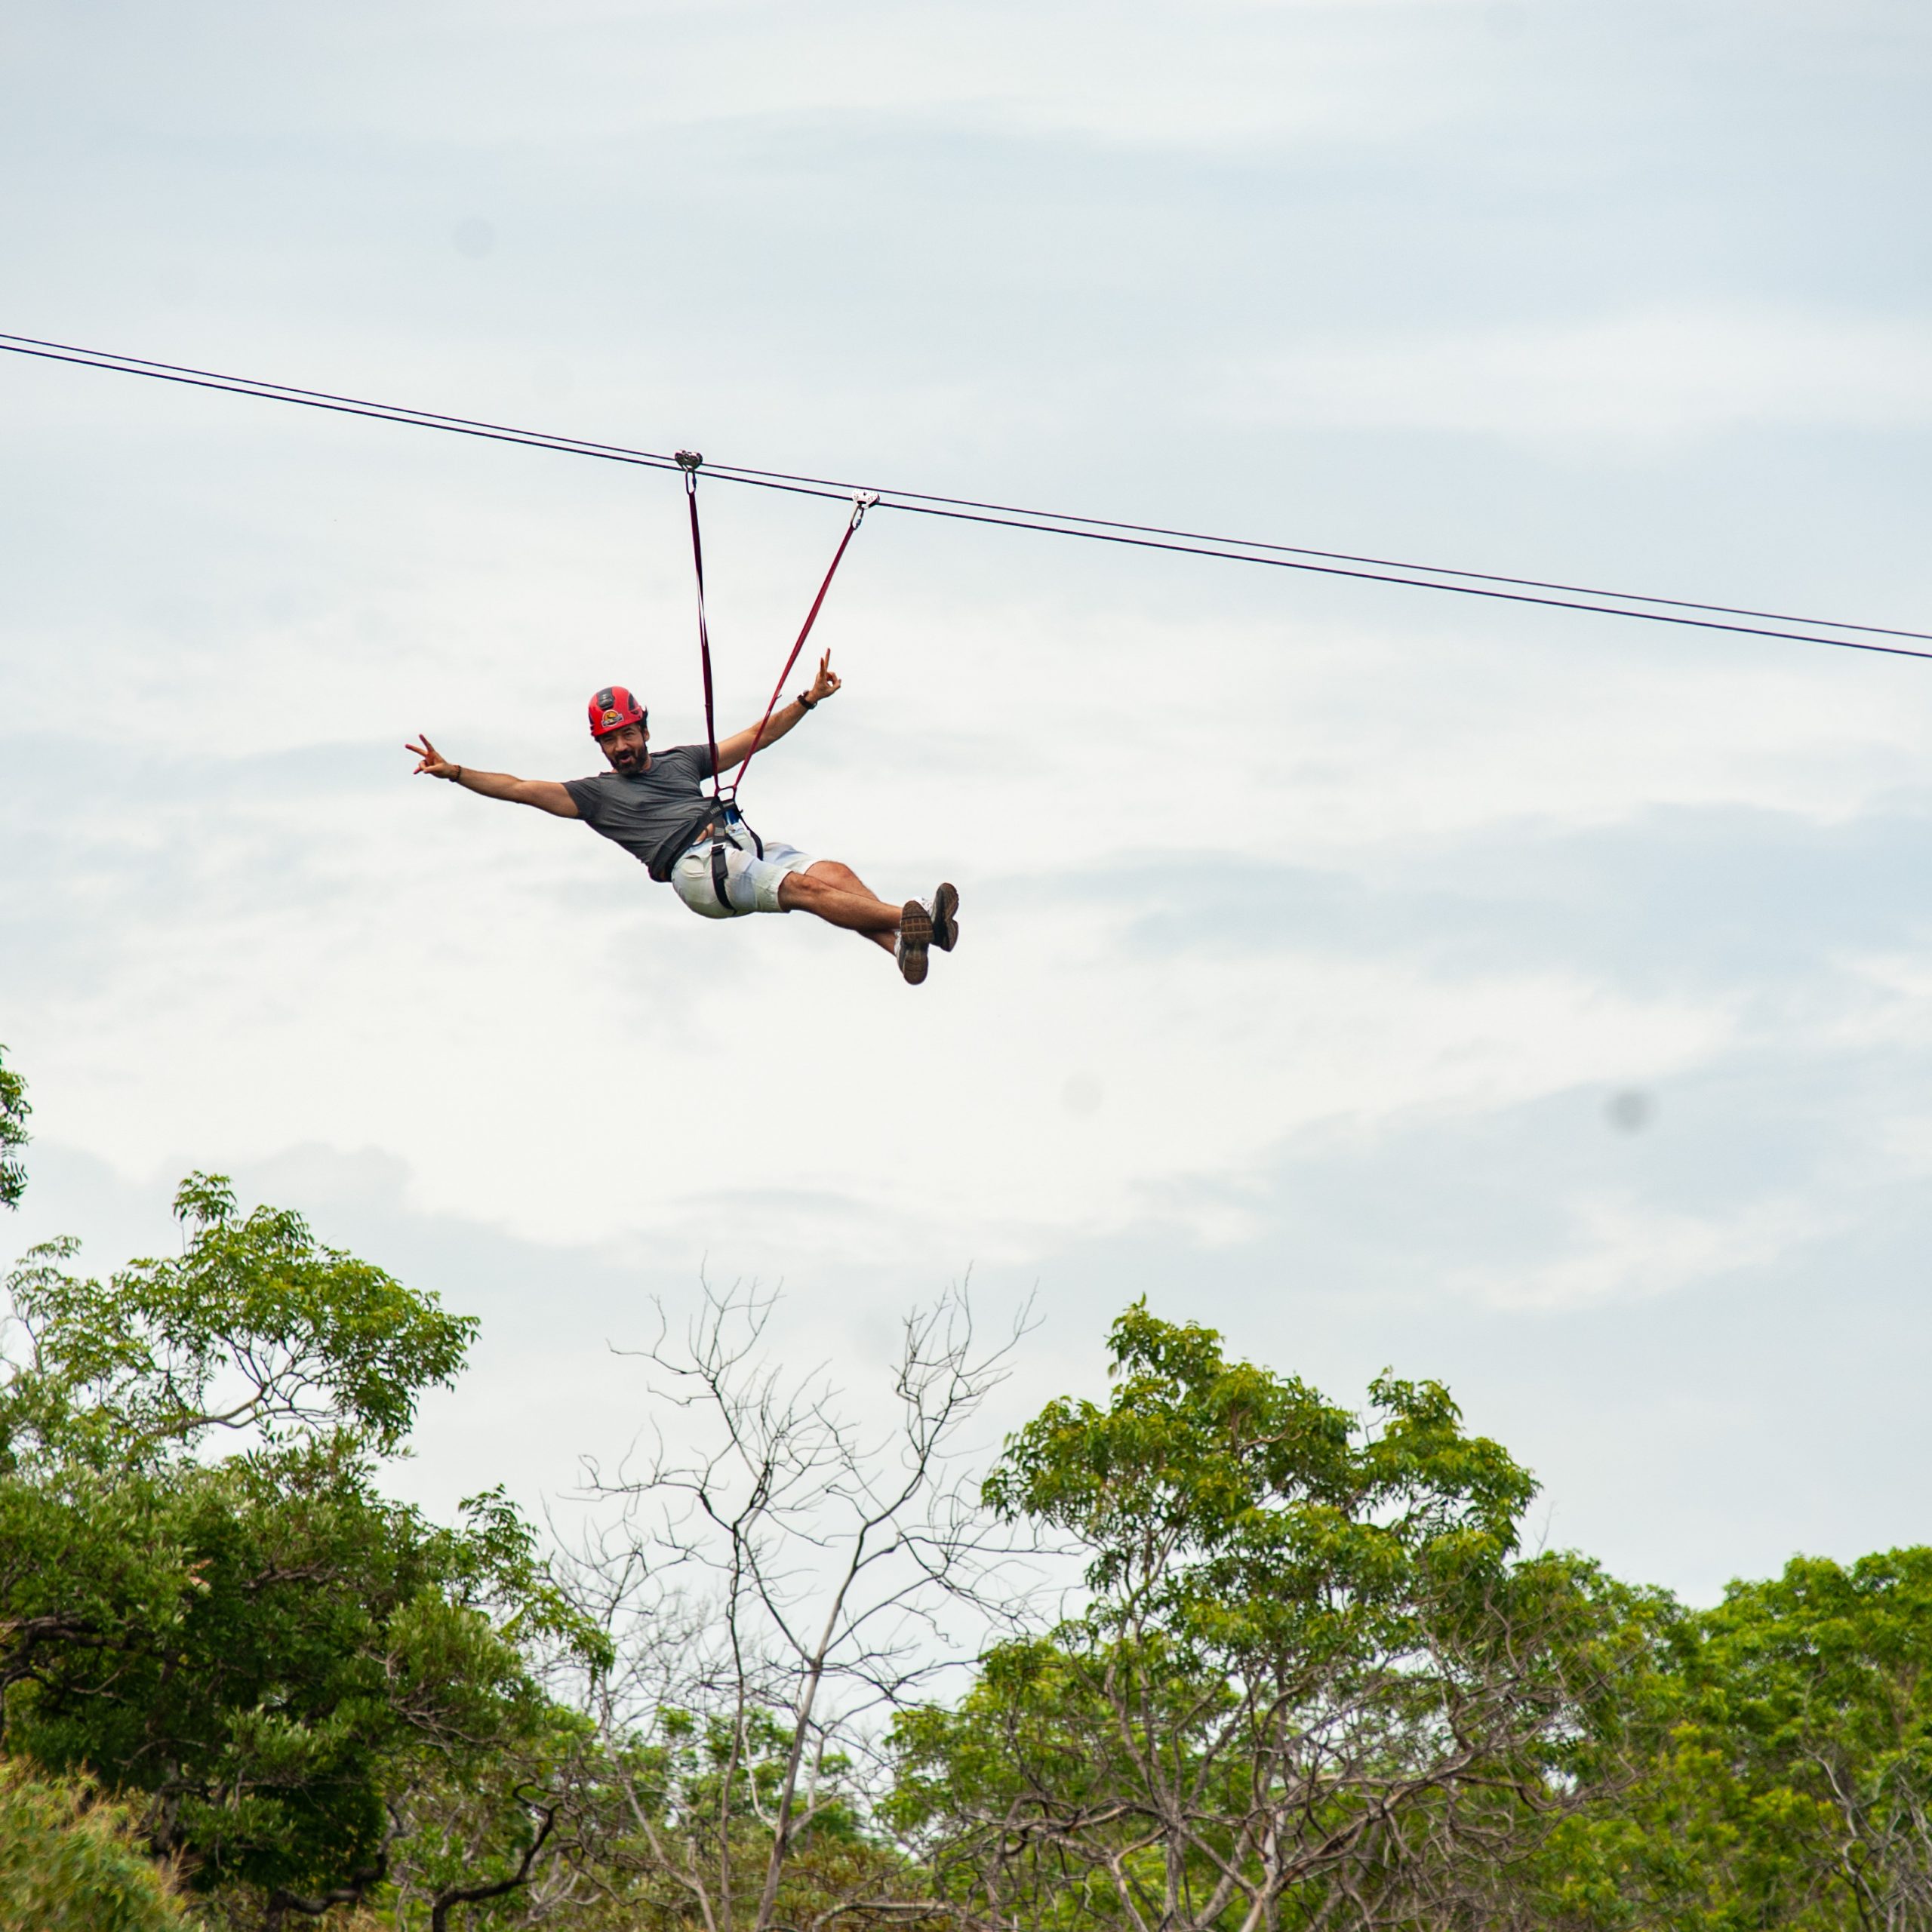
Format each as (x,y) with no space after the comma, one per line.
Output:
(915,935)
(946,918)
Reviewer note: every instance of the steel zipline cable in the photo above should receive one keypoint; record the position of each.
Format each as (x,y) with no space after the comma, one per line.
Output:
(1548,593)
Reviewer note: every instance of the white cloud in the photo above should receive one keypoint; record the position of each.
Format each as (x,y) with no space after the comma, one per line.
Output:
(1638,379)
(1621,1248)
(1219,75)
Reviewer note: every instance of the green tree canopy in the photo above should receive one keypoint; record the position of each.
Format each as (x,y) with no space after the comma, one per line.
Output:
(253,1326)
(14,1111)
(258,1647)
(1312,1673)
(1789,1779)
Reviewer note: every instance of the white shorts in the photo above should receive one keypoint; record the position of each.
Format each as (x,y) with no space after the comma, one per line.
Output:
(750,883)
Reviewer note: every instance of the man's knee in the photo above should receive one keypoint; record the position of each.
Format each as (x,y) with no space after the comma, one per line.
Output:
(799,889)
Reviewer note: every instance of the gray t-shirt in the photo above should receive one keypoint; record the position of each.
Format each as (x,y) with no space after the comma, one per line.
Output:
(654,815)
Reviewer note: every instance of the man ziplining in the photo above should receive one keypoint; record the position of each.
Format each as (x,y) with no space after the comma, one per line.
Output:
(653,804)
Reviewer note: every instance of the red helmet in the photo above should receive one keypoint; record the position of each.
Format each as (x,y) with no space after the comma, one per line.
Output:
(612,709)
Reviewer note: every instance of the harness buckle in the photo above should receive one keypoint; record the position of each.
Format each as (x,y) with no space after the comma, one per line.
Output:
(735,821)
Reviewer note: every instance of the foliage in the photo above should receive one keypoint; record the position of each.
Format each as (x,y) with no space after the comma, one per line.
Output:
(252,1326)
(511,1835)
(69,1862)
(692,1831)
(1311,1675)
(14,1111)
(1790,1782)
(263,1649)
(1308,1676)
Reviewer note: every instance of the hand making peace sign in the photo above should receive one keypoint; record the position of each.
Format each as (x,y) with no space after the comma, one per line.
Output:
(825,683)
(434,763)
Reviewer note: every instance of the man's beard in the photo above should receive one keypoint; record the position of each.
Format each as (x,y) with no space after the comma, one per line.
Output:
(628,761)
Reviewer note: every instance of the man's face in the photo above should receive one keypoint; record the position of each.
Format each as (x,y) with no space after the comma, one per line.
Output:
(625,749)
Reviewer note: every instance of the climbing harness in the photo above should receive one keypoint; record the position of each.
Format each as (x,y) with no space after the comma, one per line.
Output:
(728,819)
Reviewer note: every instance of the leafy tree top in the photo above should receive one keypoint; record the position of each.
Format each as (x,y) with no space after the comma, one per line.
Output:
(253,1326)
(1828,1663)
(1237,1509)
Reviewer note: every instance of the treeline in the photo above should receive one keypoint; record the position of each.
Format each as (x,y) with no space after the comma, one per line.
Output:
(1211,1653)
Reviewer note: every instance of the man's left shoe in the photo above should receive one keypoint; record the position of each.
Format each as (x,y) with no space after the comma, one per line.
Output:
(946,918)
(915,935)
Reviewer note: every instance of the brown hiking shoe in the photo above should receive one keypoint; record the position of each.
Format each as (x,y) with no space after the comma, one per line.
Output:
(915,935)
(946,918)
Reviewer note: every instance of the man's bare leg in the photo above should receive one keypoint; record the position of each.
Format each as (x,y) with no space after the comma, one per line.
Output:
(839,895)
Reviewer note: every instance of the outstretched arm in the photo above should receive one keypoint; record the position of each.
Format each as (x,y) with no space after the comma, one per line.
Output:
(735,750)
(546,794)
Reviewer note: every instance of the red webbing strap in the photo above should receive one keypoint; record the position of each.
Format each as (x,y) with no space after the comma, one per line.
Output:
(690,468)
(860,505)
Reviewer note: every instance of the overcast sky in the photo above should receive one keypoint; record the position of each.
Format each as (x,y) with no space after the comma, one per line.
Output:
(1537,1001)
